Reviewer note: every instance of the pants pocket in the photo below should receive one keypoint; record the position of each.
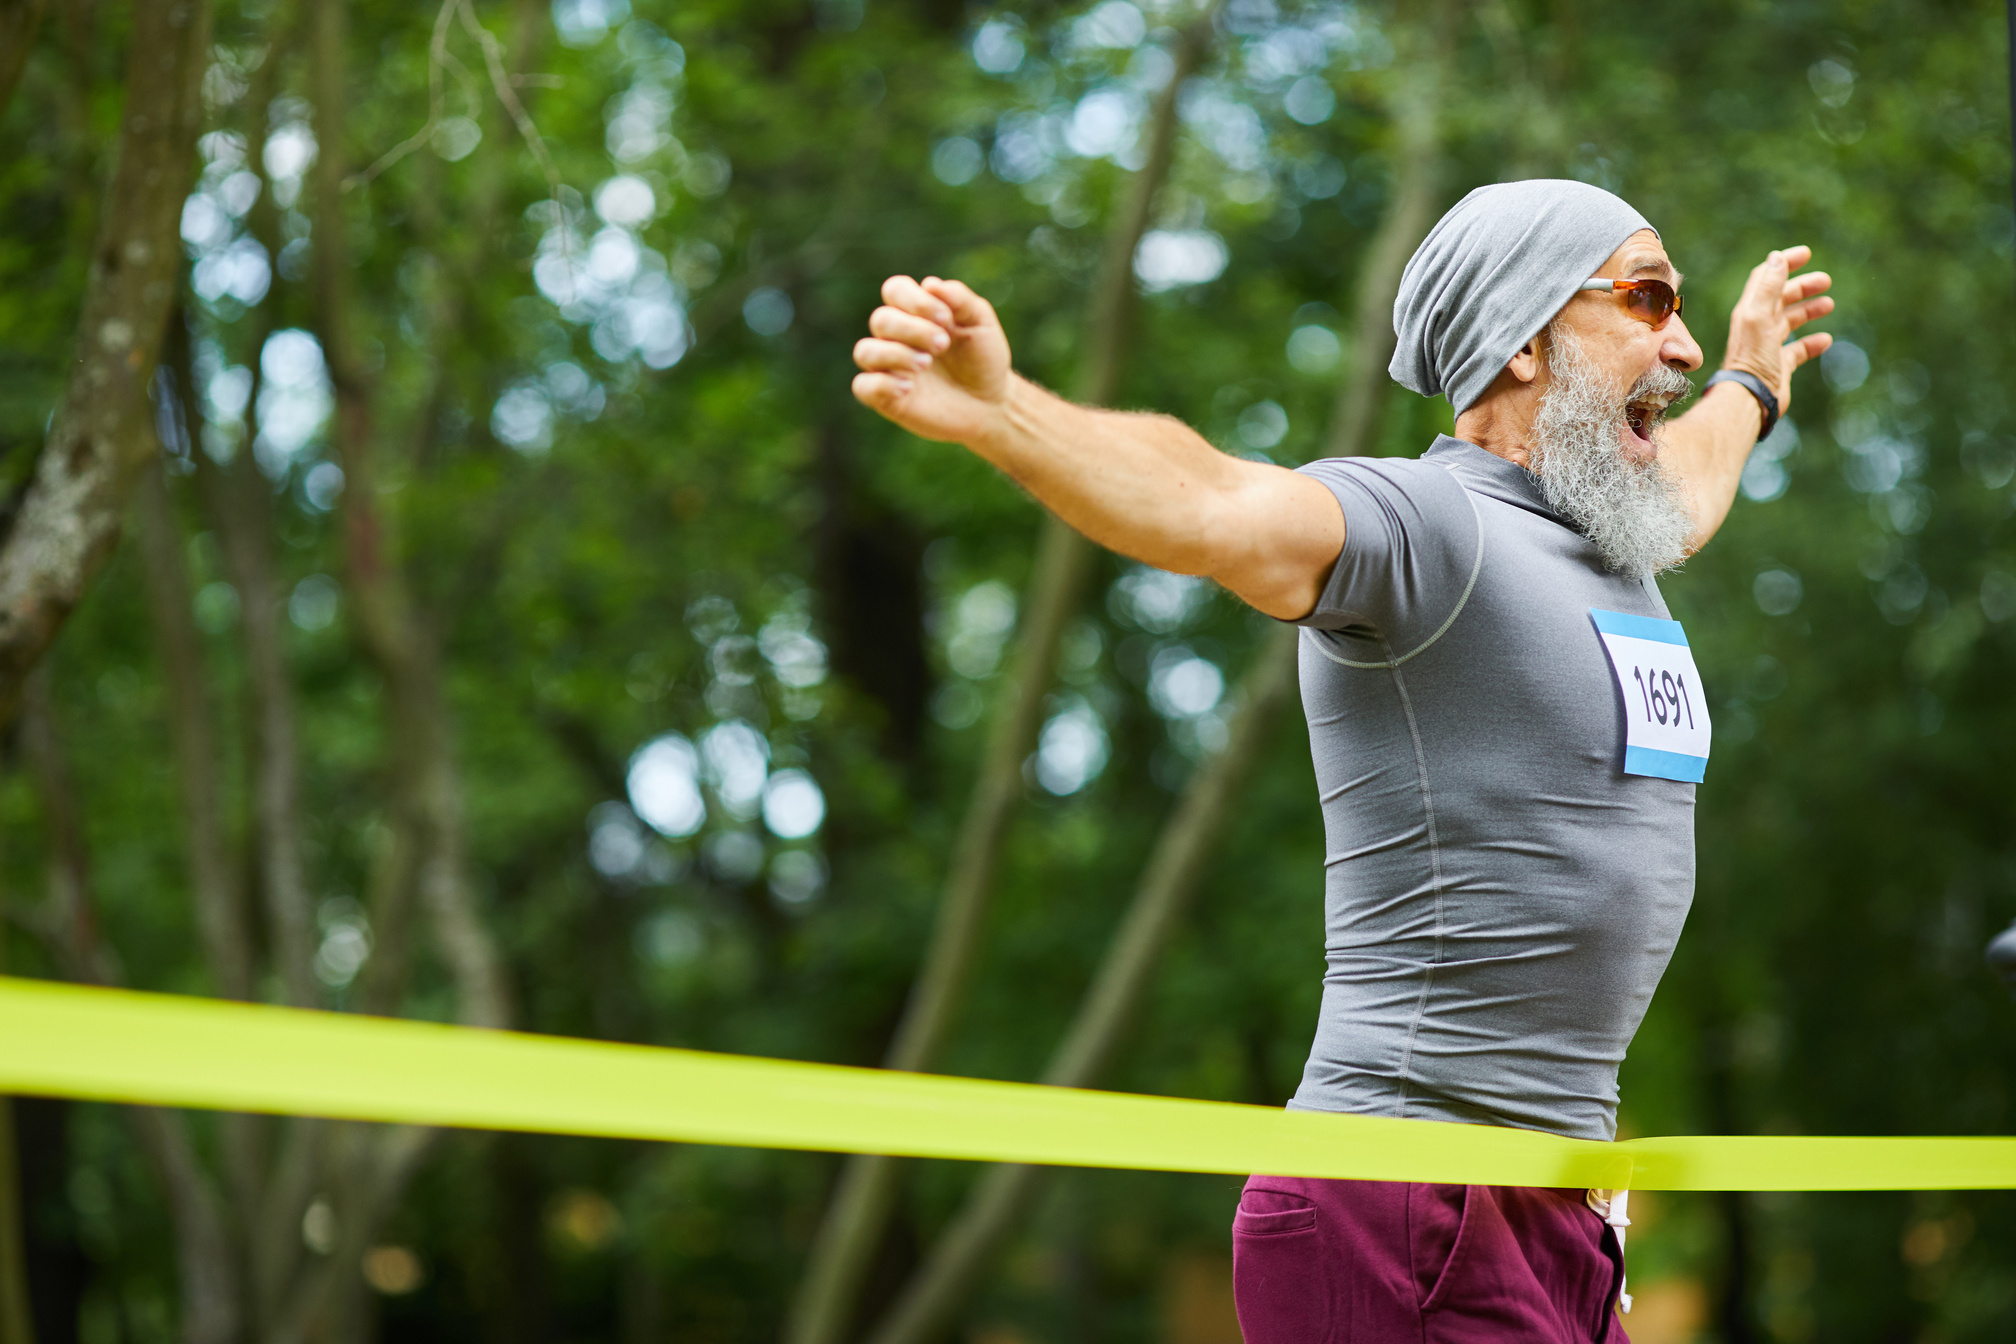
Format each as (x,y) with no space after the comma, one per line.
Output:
(1281,1272)
(1442,1220)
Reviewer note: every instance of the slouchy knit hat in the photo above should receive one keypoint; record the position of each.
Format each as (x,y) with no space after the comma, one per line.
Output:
(1492,274)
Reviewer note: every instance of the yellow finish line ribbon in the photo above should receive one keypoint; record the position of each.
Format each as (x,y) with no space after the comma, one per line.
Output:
(172,1050)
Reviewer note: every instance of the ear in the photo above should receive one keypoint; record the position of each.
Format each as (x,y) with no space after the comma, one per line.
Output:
(1525,363)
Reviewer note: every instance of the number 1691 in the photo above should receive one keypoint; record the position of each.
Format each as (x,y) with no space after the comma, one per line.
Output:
(1665,696)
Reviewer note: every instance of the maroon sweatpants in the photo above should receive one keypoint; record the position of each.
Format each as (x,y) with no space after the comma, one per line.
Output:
(1384,1262)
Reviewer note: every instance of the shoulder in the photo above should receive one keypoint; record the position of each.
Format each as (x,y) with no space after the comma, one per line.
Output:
(1409,475)
(1413,544)
(1399,494)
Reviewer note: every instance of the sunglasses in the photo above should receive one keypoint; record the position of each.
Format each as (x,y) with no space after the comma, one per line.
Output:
(1650,301)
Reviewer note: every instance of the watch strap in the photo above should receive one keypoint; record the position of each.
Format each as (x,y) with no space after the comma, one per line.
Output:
(1767,400)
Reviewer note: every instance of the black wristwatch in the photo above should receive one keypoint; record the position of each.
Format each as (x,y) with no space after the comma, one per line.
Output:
(1767,400)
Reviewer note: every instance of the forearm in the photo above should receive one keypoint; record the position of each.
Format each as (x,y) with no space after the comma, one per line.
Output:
(1706,449)
(1147,486)
(1152,488)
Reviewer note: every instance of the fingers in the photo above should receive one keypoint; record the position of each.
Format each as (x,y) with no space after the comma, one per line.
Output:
(948,304)
(1775,302)
(900,291)
(880,391)
(875,356)
(1793,299)
(1774,274)
(919,333)
(1806,286)
(1780,263)
(1805,348)
(968,308)
(1799,314)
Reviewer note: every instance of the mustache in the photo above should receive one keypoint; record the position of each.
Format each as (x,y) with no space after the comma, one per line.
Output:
(1663,381)
(1634,513)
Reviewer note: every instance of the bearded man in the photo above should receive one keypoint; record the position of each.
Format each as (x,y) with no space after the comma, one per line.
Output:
(1506,724)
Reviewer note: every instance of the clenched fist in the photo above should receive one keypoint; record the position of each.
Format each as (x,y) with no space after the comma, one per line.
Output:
(937,362)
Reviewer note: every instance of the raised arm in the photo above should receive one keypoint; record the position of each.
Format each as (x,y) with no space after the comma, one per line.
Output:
(1708,446)
(1147,486)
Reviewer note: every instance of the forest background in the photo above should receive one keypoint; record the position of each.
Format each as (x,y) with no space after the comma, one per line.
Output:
(485,602)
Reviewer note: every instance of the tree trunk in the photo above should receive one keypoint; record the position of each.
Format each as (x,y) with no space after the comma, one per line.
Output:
(867,569)
(369,1167)
(1171,875)
(268,1192)
(424,778)
(205,1260)
(19,20)
(70,514)
(996,1204)
(1538,133)
(1735,1309)
(239,500)
(823,1309)
(17,1321)
(271,1163)
(241,509)
(17,1325)
(360,1169)
(1417,162)
(213,884)
(206,1269)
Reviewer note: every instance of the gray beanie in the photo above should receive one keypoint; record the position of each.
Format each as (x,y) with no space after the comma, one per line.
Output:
(1492,274)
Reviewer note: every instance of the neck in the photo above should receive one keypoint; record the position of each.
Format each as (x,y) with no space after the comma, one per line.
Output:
(1501,423)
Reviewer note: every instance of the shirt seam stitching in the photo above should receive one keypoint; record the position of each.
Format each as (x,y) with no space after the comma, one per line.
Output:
(1434,883)
(1476,568)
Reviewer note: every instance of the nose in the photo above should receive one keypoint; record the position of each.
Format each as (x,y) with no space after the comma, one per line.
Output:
(1678,349)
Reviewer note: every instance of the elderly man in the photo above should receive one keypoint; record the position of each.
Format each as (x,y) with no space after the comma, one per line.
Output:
(1507,726)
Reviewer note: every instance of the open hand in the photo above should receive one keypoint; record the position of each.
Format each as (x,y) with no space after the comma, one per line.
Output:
(937,363)
(1776,303)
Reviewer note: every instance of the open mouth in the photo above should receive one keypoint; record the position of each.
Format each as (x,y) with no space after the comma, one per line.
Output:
(1642,416)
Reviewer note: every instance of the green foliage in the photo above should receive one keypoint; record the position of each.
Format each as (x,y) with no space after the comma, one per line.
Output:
(656,509)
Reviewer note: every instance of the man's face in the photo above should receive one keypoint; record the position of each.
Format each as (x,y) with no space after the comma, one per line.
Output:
(1594,440)
(1628,354)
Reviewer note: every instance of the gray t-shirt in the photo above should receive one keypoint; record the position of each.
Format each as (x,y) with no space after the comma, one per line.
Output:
(1501,899)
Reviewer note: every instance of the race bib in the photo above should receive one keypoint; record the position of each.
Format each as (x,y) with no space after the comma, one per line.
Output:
(1665,716)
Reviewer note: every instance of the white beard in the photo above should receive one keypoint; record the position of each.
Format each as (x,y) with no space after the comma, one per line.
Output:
(1635,513)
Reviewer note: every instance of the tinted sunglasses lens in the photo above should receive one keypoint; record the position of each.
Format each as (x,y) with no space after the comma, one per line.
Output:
(1651,301)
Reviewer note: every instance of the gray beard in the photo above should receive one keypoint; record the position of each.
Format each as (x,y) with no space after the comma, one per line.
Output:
(1634,513)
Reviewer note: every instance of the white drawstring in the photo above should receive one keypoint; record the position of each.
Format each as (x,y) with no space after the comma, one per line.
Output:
(1613,1207)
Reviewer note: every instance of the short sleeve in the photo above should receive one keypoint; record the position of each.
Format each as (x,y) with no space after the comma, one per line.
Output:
(1412,546)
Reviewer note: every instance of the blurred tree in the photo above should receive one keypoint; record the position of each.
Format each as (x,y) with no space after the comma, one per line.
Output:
(826,1304)
(989,1213)
(18,21)
(518,555)
(67,520)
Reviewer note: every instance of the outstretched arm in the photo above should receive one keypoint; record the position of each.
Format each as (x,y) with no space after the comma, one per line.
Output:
(1708,446)
(1146,486)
